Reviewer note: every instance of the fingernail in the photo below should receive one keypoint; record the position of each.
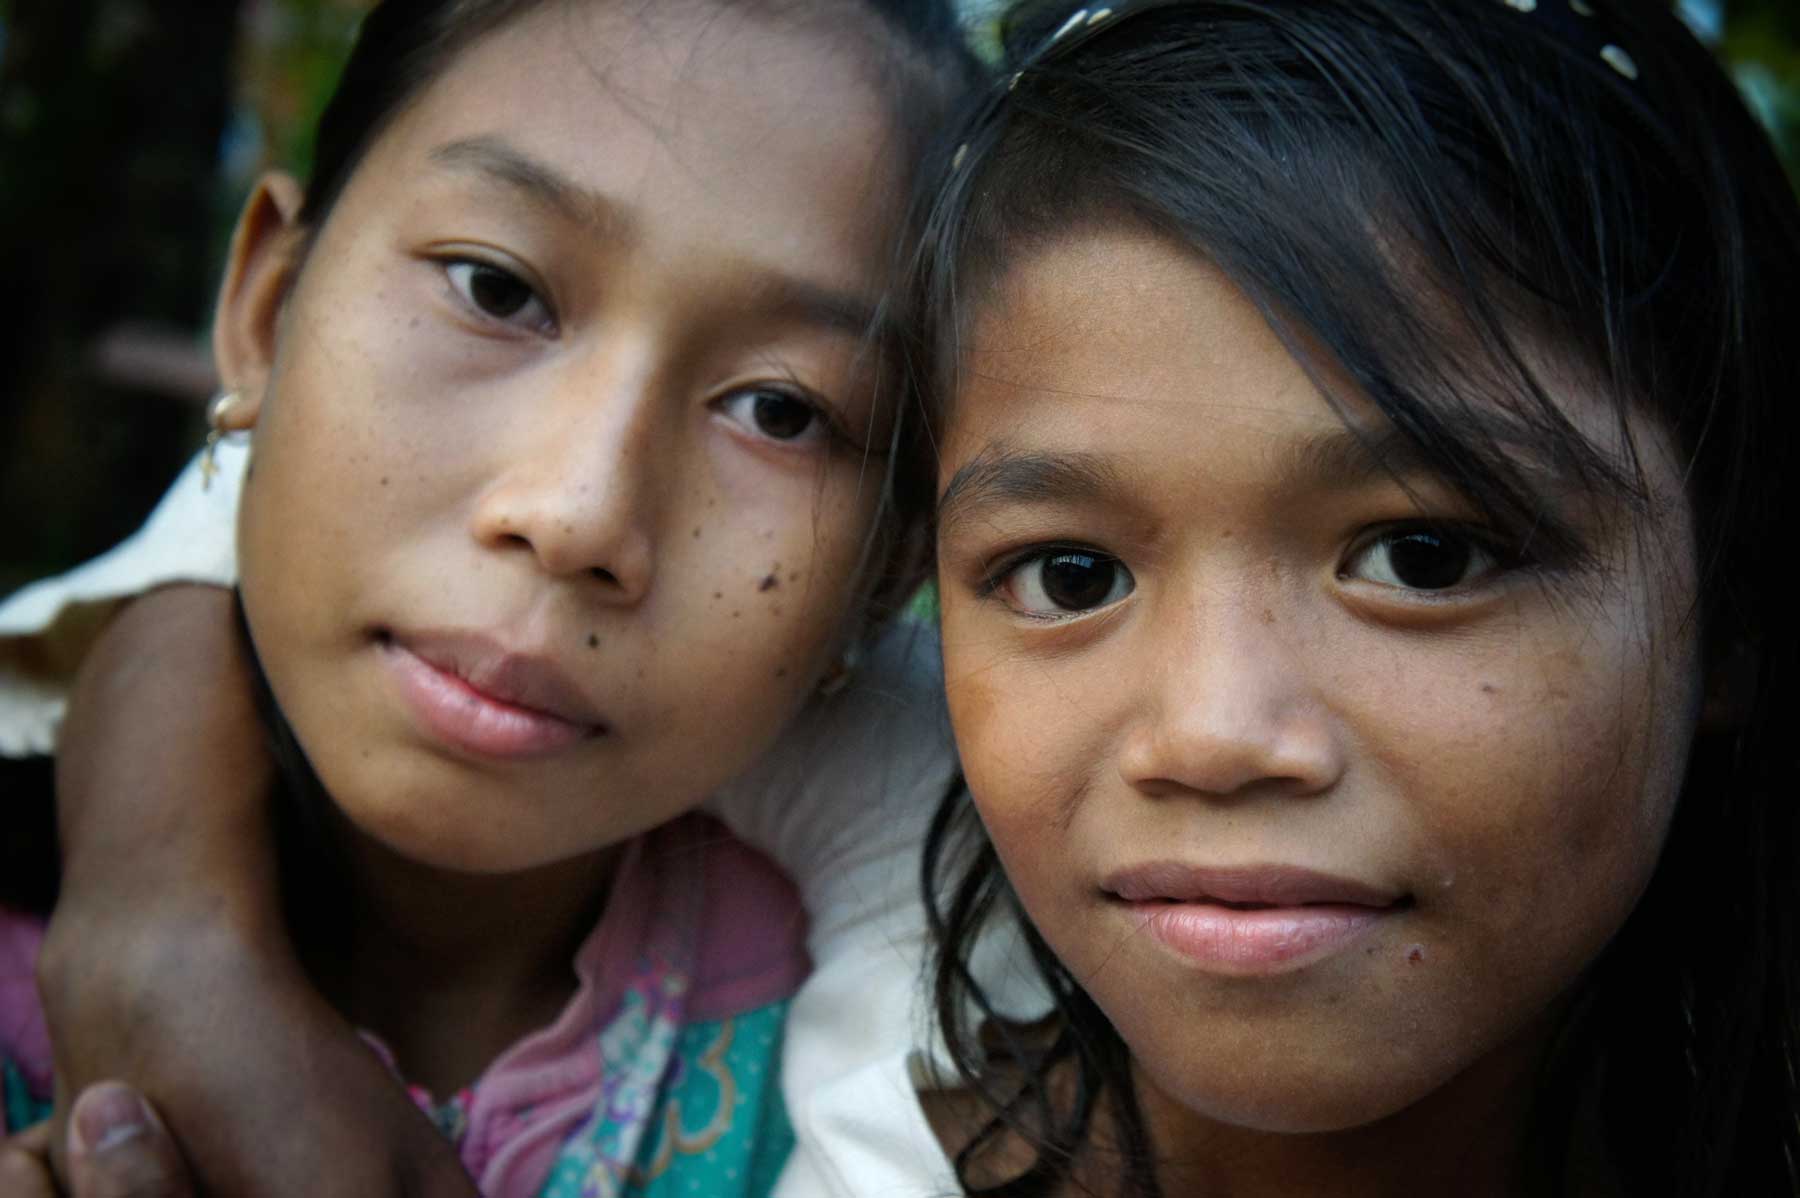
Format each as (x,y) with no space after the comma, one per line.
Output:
(108,1115)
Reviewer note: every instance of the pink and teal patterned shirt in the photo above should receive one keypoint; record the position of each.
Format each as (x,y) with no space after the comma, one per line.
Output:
(659,1079)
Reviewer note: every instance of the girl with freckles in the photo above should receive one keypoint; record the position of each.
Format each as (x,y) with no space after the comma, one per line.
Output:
(1362,430)
(577,476)
(1366,435)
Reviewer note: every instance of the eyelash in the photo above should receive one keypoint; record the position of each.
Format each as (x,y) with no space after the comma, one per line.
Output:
(481,266)
(1477,543)
(1479,548)
(832,430)
(995,577)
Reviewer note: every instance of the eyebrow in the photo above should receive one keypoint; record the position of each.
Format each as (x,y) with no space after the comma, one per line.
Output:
(789,298)
(999,475)
(499,162)
(1341,458)
(1350,456)
(786,296)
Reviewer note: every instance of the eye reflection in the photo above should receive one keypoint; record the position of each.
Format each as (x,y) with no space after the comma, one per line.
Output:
(1421,559)
(1065,582)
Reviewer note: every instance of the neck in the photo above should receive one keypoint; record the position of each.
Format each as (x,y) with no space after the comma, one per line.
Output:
(447,968)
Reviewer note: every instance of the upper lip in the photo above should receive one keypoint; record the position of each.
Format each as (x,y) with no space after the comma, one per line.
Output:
(1243,885)
(521,678)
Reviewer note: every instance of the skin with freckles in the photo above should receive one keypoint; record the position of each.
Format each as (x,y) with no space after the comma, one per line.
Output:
(577,363)
(568,373)
(1325,794)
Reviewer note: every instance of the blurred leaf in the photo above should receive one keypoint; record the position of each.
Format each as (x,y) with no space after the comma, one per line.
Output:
(1762,48)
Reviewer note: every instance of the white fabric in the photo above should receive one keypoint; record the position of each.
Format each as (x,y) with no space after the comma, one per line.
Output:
(841,802)
(46,628)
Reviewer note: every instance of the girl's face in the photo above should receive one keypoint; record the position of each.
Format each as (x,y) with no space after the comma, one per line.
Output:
(559,490)
(1324,797)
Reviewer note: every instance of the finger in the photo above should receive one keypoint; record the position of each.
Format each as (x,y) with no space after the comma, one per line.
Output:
(25,1165)
(119,1148)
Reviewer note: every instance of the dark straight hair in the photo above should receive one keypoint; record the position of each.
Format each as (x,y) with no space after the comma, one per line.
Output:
(1415,193)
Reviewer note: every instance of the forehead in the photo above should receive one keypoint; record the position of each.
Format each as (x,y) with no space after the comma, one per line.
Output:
(1106,330)
(1132,342)
(761,133)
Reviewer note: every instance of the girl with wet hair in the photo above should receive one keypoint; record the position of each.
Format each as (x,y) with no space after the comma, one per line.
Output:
(1366,432)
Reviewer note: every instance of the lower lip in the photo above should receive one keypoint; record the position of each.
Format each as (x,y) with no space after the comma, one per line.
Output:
(1249,942)
(475,723)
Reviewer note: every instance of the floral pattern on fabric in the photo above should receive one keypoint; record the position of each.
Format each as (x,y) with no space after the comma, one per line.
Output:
(712,1123)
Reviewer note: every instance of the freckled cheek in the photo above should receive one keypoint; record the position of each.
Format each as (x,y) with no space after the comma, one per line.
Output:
(1023,761)
(767,585)
(1015,802)
(1537,817)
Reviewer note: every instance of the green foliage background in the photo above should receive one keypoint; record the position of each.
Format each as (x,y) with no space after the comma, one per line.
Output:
(1762,46)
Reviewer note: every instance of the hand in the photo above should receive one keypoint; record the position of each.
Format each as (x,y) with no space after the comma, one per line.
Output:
(118,1149)
(167,960)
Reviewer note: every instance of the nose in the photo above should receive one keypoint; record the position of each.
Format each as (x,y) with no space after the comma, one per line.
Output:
(1232,710)
(574,484)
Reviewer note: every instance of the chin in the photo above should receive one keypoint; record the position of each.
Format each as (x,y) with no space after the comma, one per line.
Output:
(437,829)
(1279,1103)
(1289,1080)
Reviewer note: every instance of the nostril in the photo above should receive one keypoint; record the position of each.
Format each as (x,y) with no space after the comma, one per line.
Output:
(604,575)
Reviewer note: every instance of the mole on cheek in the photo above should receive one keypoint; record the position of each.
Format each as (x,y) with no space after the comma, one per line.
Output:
(593,641)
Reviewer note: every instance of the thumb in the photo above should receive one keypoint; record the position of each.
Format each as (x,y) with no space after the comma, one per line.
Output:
(119,1148)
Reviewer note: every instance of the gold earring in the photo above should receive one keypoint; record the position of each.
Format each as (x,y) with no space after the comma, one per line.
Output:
(216,411)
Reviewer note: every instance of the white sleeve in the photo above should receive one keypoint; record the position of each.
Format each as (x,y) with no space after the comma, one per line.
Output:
(46,629)
(842,803)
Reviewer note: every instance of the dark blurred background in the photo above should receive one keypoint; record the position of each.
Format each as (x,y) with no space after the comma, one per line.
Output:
(129,131)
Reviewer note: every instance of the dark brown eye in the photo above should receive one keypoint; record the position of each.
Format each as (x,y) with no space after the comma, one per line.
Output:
(498,293)
(782,416)
(1421,559)
(775,414)
(1067,582)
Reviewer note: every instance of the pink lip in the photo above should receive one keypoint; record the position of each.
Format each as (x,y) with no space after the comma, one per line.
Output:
(1251,920)
(476,696)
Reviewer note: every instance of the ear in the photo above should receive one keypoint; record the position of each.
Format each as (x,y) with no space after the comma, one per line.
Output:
(259,272)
